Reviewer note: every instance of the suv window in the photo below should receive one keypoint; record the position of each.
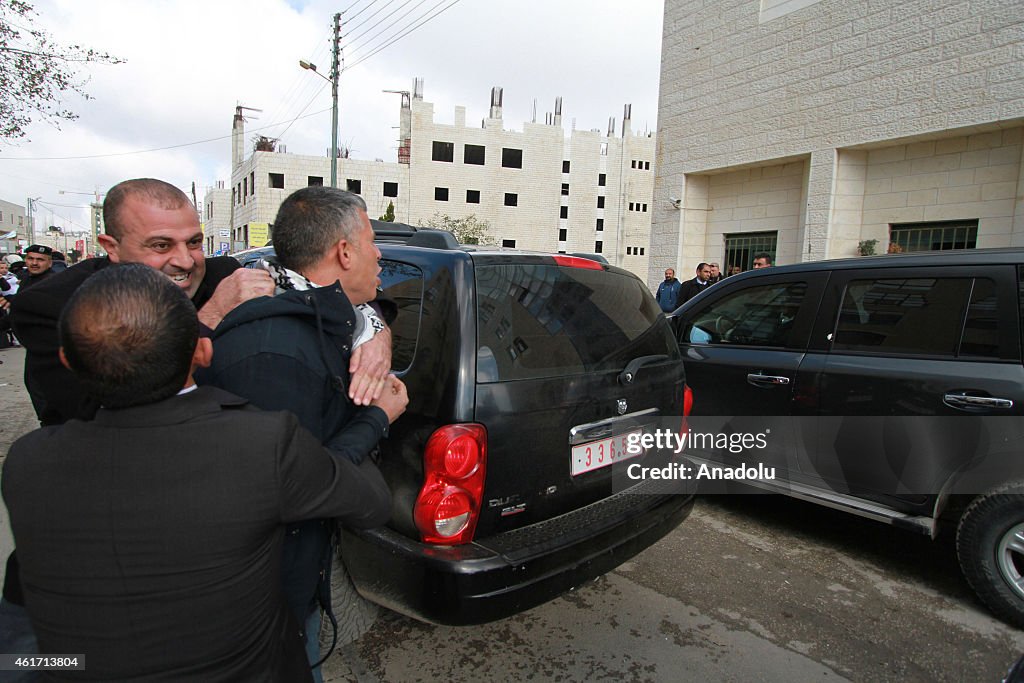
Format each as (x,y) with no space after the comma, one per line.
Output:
(755,316)
(925,316)
(540,320)
(403,284)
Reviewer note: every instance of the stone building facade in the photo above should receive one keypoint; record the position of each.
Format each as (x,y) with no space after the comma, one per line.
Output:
(537,189)
(809,128)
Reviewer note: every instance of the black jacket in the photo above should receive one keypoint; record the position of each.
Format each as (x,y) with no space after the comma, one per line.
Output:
(291,352)
(56,393)
(690,289)
(150,536)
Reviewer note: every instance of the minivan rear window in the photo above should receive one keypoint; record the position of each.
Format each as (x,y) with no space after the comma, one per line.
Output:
(543,320)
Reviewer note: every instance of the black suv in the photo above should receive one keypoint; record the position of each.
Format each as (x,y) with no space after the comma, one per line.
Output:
(526,372)
(892,388)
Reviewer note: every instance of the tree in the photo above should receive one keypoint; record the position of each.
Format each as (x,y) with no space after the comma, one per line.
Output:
(468,230)
(389,215)
(35,71)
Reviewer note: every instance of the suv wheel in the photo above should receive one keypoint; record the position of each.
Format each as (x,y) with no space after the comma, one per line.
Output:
(990,546)
(354,613)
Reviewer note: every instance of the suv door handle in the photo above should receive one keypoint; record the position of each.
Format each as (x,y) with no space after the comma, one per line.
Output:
(962,400)
(767,380)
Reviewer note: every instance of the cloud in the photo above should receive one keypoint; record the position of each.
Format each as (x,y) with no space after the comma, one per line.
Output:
(190,62)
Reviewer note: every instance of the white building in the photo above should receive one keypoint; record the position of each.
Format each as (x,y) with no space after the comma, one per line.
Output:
(536,188)
(806,127)
(13,220)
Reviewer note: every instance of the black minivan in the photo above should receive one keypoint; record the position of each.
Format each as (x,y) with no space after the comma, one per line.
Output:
(892,386)
(526,373)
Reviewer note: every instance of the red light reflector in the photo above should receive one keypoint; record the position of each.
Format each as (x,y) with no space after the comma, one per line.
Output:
(577,262)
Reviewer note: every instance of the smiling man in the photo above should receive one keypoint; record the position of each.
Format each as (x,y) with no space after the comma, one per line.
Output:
(147,221)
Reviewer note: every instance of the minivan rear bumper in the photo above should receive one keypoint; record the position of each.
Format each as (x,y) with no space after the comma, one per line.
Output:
(500,576)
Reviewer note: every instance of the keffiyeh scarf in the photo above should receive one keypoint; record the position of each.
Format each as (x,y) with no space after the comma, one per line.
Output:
(368,323)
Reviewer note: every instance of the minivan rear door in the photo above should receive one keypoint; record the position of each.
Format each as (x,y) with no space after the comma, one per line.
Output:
(555,339)
(914,357)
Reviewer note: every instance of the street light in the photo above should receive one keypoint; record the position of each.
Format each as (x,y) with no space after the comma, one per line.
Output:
(333,80)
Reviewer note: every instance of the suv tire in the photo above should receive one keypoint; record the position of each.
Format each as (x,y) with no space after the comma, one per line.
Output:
(355,614)
(990,547)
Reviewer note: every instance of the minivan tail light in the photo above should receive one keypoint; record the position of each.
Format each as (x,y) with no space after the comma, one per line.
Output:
(454,468)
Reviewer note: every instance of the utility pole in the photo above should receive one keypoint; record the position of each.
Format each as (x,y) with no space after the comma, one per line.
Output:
(335,72)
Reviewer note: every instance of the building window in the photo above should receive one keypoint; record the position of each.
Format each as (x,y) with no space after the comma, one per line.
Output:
(474,154)
(740,248)
(631,206)
(644,209)
(508,244)
(440,194)
(935,236)
(629,251)
(642,251)
(443,151)
(511,199)
(647,166)
(598,246)
(632,163)
(245,189)
(600,224)
(277,181)
(354,186)
(563,234)
(563,212)
(600,202)
(472,196)
(252,182)
(315,181)
(565,167)
(565,189)
(390,189)
(511,158)
(602,179)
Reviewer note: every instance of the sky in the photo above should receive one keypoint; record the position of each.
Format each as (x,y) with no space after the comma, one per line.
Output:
(190,62)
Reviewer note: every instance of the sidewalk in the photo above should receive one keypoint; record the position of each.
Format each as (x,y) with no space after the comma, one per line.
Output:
(16,418)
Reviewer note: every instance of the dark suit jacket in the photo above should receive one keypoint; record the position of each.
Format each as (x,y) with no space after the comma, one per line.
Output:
(150,537)
(690,289)
(57,396)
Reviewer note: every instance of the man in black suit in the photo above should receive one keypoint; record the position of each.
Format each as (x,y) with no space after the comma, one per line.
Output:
(150,537)
(698,284)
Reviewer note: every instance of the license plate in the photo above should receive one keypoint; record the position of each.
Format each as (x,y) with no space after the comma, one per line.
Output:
(594,455)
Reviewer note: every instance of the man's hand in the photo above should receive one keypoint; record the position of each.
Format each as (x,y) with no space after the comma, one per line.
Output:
(393,399)
(369,367)
(237,288)
(4,303)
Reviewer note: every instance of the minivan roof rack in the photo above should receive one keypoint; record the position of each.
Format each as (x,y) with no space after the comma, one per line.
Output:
(402,233)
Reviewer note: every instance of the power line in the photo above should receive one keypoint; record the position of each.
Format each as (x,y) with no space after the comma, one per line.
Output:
(161,149)
(315,95)
(399,37)
(354,45)
(372,2)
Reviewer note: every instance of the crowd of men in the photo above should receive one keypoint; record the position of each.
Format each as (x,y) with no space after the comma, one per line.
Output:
(204,427)
(671,293)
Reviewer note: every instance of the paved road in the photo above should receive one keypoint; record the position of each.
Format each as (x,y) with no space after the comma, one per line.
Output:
(750,588)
